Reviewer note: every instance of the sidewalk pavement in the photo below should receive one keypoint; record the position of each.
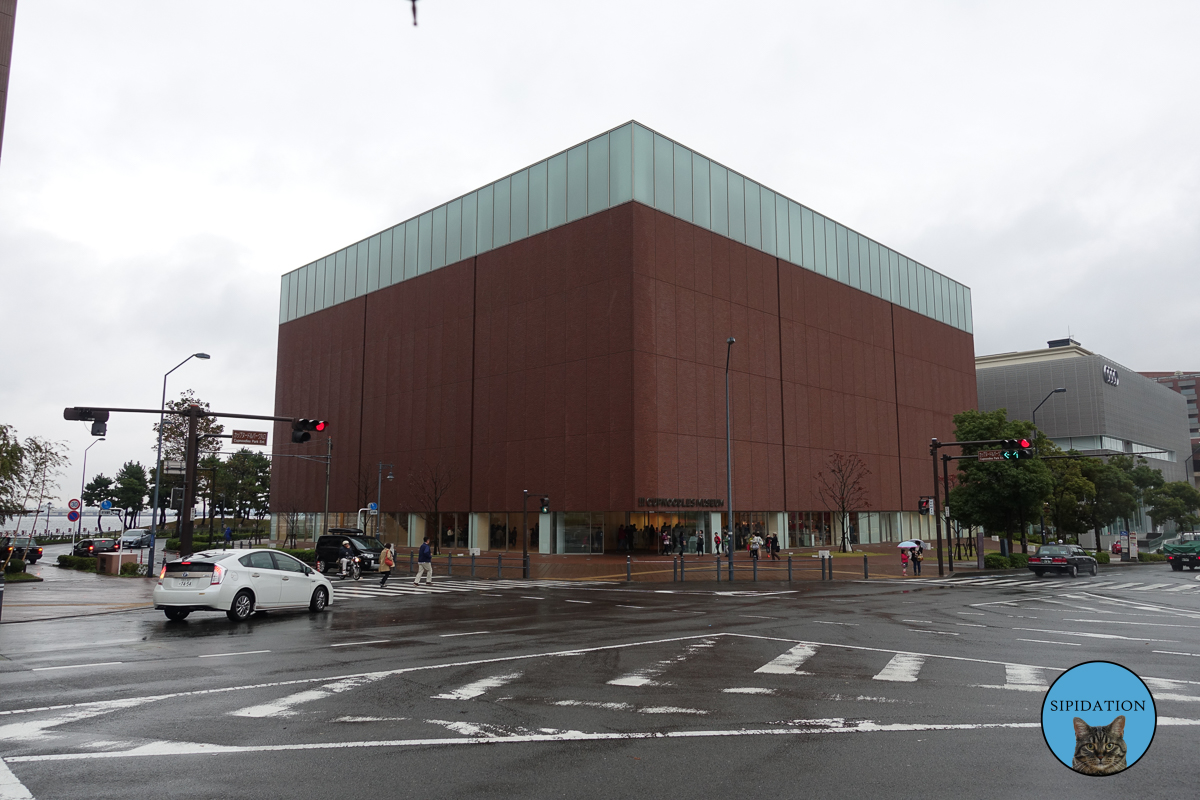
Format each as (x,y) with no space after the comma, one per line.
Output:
(65,593)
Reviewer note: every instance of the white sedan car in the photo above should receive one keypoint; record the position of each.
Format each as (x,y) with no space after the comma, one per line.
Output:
(239,582)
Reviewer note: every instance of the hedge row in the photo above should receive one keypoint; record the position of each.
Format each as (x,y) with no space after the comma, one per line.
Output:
(14,566)
(1144,557)
(78,562)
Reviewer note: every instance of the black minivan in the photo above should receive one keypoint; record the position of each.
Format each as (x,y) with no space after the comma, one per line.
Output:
(367,548)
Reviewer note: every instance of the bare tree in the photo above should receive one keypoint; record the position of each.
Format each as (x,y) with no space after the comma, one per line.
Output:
(427,486)
(292,518)
(842,486)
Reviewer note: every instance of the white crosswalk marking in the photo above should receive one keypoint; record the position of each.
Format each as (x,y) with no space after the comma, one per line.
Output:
(476,688)
(646,675)
(903,667)
(789,663)
(1150,586)
(284,706)
(447,586)
(1023,678)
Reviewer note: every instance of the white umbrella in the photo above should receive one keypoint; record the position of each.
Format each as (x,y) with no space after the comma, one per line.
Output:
(909,544)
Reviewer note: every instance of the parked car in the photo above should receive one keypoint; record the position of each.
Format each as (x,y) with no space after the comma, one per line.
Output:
(93,547)
(1070,559)
(239,582)
(368,549)
(22,547)
(138,538)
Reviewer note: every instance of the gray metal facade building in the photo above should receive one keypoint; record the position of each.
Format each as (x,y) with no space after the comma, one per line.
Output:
(1107,407)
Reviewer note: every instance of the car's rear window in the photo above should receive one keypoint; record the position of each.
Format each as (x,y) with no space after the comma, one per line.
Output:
(1054,550)
(190,566)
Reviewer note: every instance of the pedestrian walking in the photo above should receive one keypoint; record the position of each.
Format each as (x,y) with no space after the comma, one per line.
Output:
(699,543)
(917,557)
(717,543)
(424,563)
(755,543)
(904,561)
(387,560)
(773,544)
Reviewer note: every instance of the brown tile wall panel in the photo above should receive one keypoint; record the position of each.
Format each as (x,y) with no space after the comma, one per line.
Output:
(319,375)
(589,362)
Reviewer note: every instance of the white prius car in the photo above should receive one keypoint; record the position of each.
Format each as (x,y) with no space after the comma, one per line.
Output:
(239,582)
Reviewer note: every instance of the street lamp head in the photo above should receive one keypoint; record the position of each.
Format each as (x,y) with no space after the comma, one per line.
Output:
(730,340)
(1056,391)
(201,355)
(390,476)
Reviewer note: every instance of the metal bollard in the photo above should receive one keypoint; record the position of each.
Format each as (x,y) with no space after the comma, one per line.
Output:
(526,567)
(866,576)
(1,594)
(499,566)
(754,561)
(830,560)
(682,561)
(731,567)
(674,569)
(472,566)
(628,568)
(449,564)
(718,569)
(822,567)
(411,570)
(789,567)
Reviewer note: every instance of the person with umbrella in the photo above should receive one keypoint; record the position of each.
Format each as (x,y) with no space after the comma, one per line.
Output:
(905,547)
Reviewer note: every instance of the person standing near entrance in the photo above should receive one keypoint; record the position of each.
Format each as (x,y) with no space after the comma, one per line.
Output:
(424,563)
(699,543)
(386,562)
(755,543)
(773,546)
(666,541)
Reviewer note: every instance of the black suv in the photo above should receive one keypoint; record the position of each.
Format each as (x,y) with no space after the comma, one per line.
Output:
(22,547)
(367,549)
(93,547)
(1066,558)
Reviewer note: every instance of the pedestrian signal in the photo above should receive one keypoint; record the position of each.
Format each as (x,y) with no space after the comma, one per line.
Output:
(924,507)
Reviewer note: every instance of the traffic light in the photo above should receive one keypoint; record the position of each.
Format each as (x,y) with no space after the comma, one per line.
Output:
(924,507)
(301,428)
(1017,449)
(545,507)
(177,498)
(97,416)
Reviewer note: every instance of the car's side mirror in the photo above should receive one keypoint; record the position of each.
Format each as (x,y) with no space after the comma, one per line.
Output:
(307,571)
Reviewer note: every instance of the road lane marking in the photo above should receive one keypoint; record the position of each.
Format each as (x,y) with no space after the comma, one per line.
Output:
(970,625)
(594,704)
(1150,586)
(646,675)
(1020,678)
(1047,641)
(284,705)
(10,787)
(903,668)
(243,653)
(1129,622)
(939,633)
(585,602)
(1173,653)
(669,710)
(637,607)
(920,621)
(34,730)
(471,633)
(527,597)
(748,690)
(77,666)
(826,622)
(352,644)
(1096,635)
(476,688)
(789,663)
(756,616)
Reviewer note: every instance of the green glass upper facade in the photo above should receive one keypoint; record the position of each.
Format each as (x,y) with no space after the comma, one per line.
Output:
(631,162)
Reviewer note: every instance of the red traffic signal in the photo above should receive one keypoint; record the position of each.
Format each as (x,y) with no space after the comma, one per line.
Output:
(301,428)
(1024,443)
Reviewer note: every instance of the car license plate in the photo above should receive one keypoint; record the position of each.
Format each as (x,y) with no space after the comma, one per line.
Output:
(183,583)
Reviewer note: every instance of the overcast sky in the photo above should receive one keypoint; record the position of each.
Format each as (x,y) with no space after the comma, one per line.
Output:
(164,163)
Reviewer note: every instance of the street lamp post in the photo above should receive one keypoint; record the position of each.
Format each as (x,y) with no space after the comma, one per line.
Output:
(158,461)
(379,495)
(82,481)
(1024,544)
(728,459)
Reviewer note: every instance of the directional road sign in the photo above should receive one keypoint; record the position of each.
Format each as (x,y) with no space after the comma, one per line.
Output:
(73,505)
(173,466)
(373,506)
(249,437)
(991,455)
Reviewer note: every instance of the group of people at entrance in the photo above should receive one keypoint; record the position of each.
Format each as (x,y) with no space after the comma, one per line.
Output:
(675,539)
(911,555)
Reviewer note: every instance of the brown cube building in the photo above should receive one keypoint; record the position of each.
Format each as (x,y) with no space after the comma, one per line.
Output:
(563,330)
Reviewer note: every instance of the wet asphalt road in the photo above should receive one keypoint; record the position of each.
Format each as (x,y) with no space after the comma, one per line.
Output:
(511,690)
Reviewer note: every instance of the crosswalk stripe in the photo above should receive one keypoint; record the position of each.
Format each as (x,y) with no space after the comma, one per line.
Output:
(789,663)
(1023,678)
(1150,586)
(903,667)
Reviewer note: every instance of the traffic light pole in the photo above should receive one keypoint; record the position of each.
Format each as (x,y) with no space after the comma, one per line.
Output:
(525,532)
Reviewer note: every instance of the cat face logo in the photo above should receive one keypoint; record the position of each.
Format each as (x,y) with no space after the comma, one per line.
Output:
(1098,718)
(1099,750)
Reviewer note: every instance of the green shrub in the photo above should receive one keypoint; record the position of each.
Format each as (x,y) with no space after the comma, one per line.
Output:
(1146,557)
(14,566)
(129,568)
(1018,560)
(995,561)
(1102,557)
(307,556)
(77,562)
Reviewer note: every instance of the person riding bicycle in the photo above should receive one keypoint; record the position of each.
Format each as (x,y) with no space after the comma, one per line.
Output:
(345,555)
